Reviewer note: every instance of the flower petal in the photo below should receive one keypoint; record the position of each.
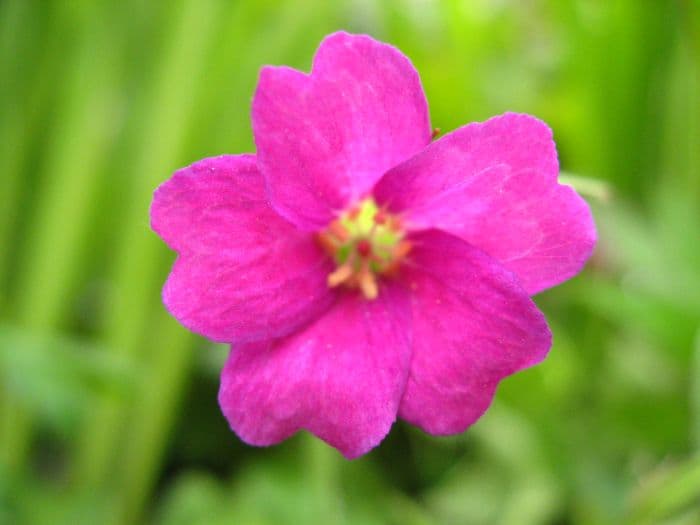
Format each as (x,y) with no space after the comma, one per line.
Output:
(243,272)
(473,325)
(324,139)
(494,184)
(341,378)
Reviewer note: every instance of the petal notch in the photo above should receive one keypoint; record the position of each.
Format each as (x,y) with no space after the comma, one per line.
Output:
(324,139)
(340,378)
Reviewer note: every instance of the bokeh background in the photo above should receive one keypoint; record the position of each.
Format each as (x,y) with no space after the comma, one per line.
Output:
(108,410)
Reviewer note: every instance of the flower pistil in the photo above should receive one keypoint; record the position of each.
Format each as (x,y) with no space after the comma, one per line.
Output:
(365,242)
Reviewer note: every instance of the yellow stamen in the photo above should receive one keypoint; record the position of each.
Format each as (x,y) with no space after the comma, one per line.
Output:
(339,231)
(368,284)
(329,243)
(401,250)
(340,275)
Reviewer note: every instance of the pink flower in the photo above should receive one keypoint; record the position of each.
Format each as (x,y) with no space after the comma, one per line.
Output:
(360,271)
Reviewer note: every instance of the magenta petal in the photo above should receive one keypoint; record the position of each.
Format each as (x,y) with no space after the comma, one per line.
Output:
(341,378)
(243,272)
(473,325)
(494,184)
(324,139)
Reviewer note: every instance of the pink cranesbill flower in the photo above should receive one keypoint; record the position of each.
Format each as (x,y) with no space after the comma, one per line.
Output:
(361,271)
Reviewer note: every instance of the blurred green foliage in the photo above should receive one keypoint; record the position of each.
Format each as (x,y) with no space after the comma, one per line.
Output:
(108,407)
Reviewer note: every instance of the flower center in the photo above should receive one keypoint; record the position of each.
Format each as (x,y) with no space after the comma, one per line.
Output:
(365,242)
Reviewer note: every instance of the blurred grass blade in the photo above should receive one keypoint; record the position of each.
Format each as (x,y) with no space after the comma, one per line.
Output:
(695,396)
(138,258)
(672,490)
(50,263)
(667,494)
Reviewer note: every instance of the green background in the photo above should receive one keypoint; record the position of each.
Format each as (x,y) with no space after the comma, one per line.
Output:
(108,410)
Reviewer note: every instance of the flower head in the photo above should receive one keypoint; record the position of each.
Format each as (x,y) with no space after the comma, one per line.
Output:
(360,271)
